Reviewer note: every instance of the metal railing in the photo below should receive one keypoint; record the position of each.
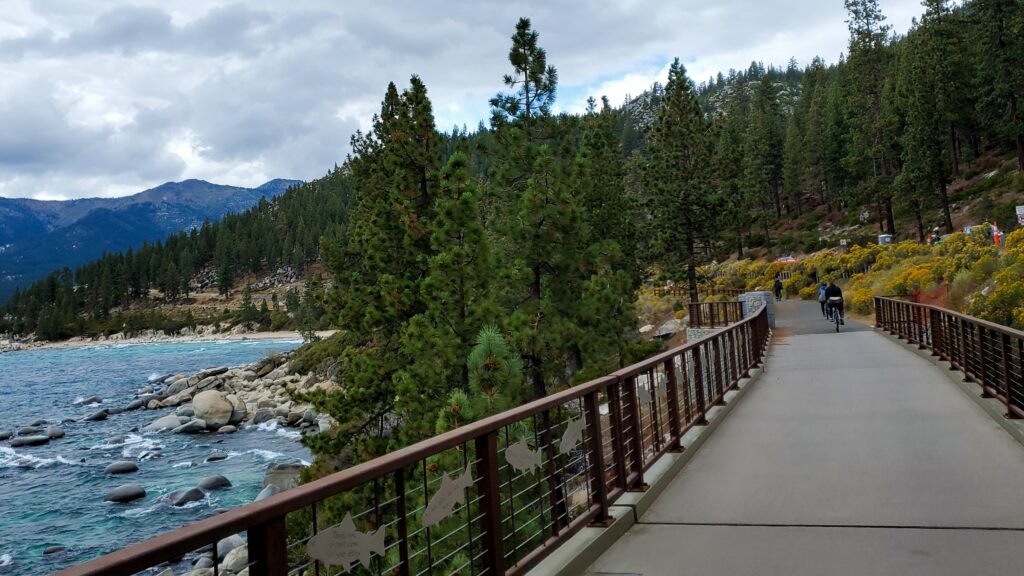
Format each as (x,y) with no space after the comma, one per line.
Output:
(584,448)
(714,314)
(987,353)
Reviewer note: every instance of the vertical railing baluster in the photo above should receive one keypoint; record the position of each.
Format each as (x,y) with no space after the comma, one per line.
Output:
(598,486)
(698,377)
(636,434)
(672,398)
(268,548)
(618,441)
(489,494)
(402,524)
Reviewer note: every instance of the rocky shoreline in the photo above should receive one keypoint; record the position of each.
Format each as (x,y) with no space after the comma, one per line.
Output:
(213,402)
(200,334)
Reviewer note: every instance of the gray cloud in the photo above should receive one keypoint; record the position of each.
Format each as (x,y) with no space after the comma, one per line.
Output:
(110,98)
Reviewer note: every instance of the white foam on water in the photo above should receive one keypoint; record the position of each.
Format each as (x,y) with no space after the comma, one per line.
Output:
(271,426)
(11,459)
(135,445)
(139,512)
(153,377)
(6,560)
(182,465)
(266,455)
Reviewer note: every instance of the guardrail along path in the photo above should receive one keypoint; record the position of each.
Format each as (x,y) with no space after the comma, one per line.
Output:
(851,455)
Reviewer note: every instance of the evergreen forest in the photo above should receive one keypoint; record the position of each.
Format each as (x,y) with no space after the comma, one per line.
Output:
(522,244)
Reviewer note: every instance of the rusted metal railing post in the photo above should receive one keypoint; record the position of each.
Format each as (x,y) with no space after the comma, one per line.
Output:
(636,433)
(618,439)
(598,486)
(1005,341)
(489,491)
(672,397)
(268,548)
(698,378)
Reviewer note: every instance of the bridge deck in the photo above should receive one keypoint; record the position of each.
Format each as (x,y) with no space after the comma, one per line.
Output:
(852,455)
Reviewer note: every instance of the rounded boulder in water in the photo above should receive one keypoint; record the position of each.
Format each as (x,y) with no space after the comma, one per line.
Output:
(29,441)
(216,482)
(121,467)
(216,457)
(267,492)
(182,497)
(168,422)
(29,431)
(6,436)
(126,493)
(53,550)
(54,432)
(228,544)
(97,416)
(87,401)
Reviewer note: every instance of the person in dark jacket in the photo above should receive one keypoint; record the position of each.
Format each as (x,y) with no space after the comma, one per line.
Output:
(778,290)
(834,299)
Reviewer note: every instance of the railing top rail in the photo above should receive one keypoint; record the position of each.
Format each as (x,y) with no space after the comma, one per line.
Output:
(193,536)
(986,323)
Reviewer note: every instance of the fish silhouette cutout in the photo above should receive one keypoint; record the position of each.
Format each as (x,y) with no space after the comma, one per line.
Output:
(451,493)
(573,435)
(521,458)
(343,545)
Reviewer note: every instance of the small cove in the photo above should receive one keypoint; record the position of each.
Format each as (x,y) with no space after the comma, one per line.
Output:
(53,495)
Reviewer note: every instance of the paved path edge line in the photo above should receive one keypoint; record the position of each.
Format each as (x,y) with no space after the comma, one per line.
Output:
(577,554)
(992,406)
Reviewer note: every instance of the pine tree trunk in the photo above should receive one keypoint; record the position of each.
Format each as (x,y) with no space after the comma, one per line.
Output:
(954,156)
(778,199)
(691,266)
(890,219)
(920,223)
(739,243)
(947,220)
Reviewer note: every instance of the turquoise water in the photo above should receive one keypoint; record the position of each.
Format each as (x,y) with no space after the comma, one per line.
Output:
(53,495)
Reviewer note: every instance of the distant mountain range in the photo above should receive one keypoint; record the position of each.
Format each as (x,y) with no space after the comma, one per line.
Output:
(39,236)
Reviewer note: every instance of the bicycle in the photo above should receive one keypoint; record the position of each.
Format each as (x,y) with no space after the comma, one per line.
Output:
(833,307)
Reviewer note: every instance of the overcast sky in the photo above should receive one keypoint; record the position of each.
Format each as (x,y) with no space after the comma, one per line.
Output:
(109,98)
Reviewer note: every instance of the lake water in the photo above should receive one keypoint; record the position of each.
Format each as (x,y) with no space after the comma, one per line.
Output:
(53,495)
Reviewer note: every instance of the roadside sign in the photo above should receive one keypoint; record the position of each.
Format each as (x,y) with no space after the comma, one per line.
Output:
(1020,215)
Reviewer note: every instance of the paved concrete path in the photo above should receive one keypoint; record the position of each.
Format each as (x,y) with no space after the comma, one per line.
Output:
(851,455)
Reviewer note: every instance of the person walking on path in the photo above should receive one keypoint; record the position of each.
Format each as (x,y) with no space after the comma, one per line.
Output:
(821,298)
(778,290)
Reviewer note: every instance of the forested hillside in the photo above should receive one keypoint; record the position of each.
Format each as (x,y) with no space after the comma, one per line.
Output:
(122,291)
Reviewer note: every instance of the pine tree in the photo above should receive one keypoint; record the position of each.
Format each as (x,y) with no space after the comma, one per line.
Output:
(678,176)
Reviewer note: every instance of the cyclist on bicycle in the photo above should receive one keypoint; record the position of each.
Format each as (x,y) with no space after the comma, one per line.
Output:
(834,302)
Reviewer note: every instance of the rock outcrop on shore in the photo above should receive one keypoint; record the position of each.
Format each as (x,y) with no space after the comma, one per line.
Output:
(222,400)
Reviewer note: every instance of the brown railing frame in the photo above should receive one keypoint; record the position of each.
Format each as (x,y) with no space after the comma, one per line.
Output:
(720,359)
(988,354)
(713,314)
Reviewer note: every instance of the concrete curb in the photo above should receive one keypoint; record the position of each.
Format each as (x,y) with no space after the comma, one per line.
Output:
(993,407)
(586,546)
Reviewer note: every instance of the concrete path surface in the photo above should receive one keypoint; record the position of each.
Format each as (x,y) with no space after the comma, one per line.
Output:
(851,455)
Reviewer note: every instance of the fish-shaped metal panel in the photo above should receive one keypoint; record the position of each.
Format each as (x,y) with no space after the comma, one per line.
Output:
(573,435)
(451,493)
(521,458)
(343,545)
